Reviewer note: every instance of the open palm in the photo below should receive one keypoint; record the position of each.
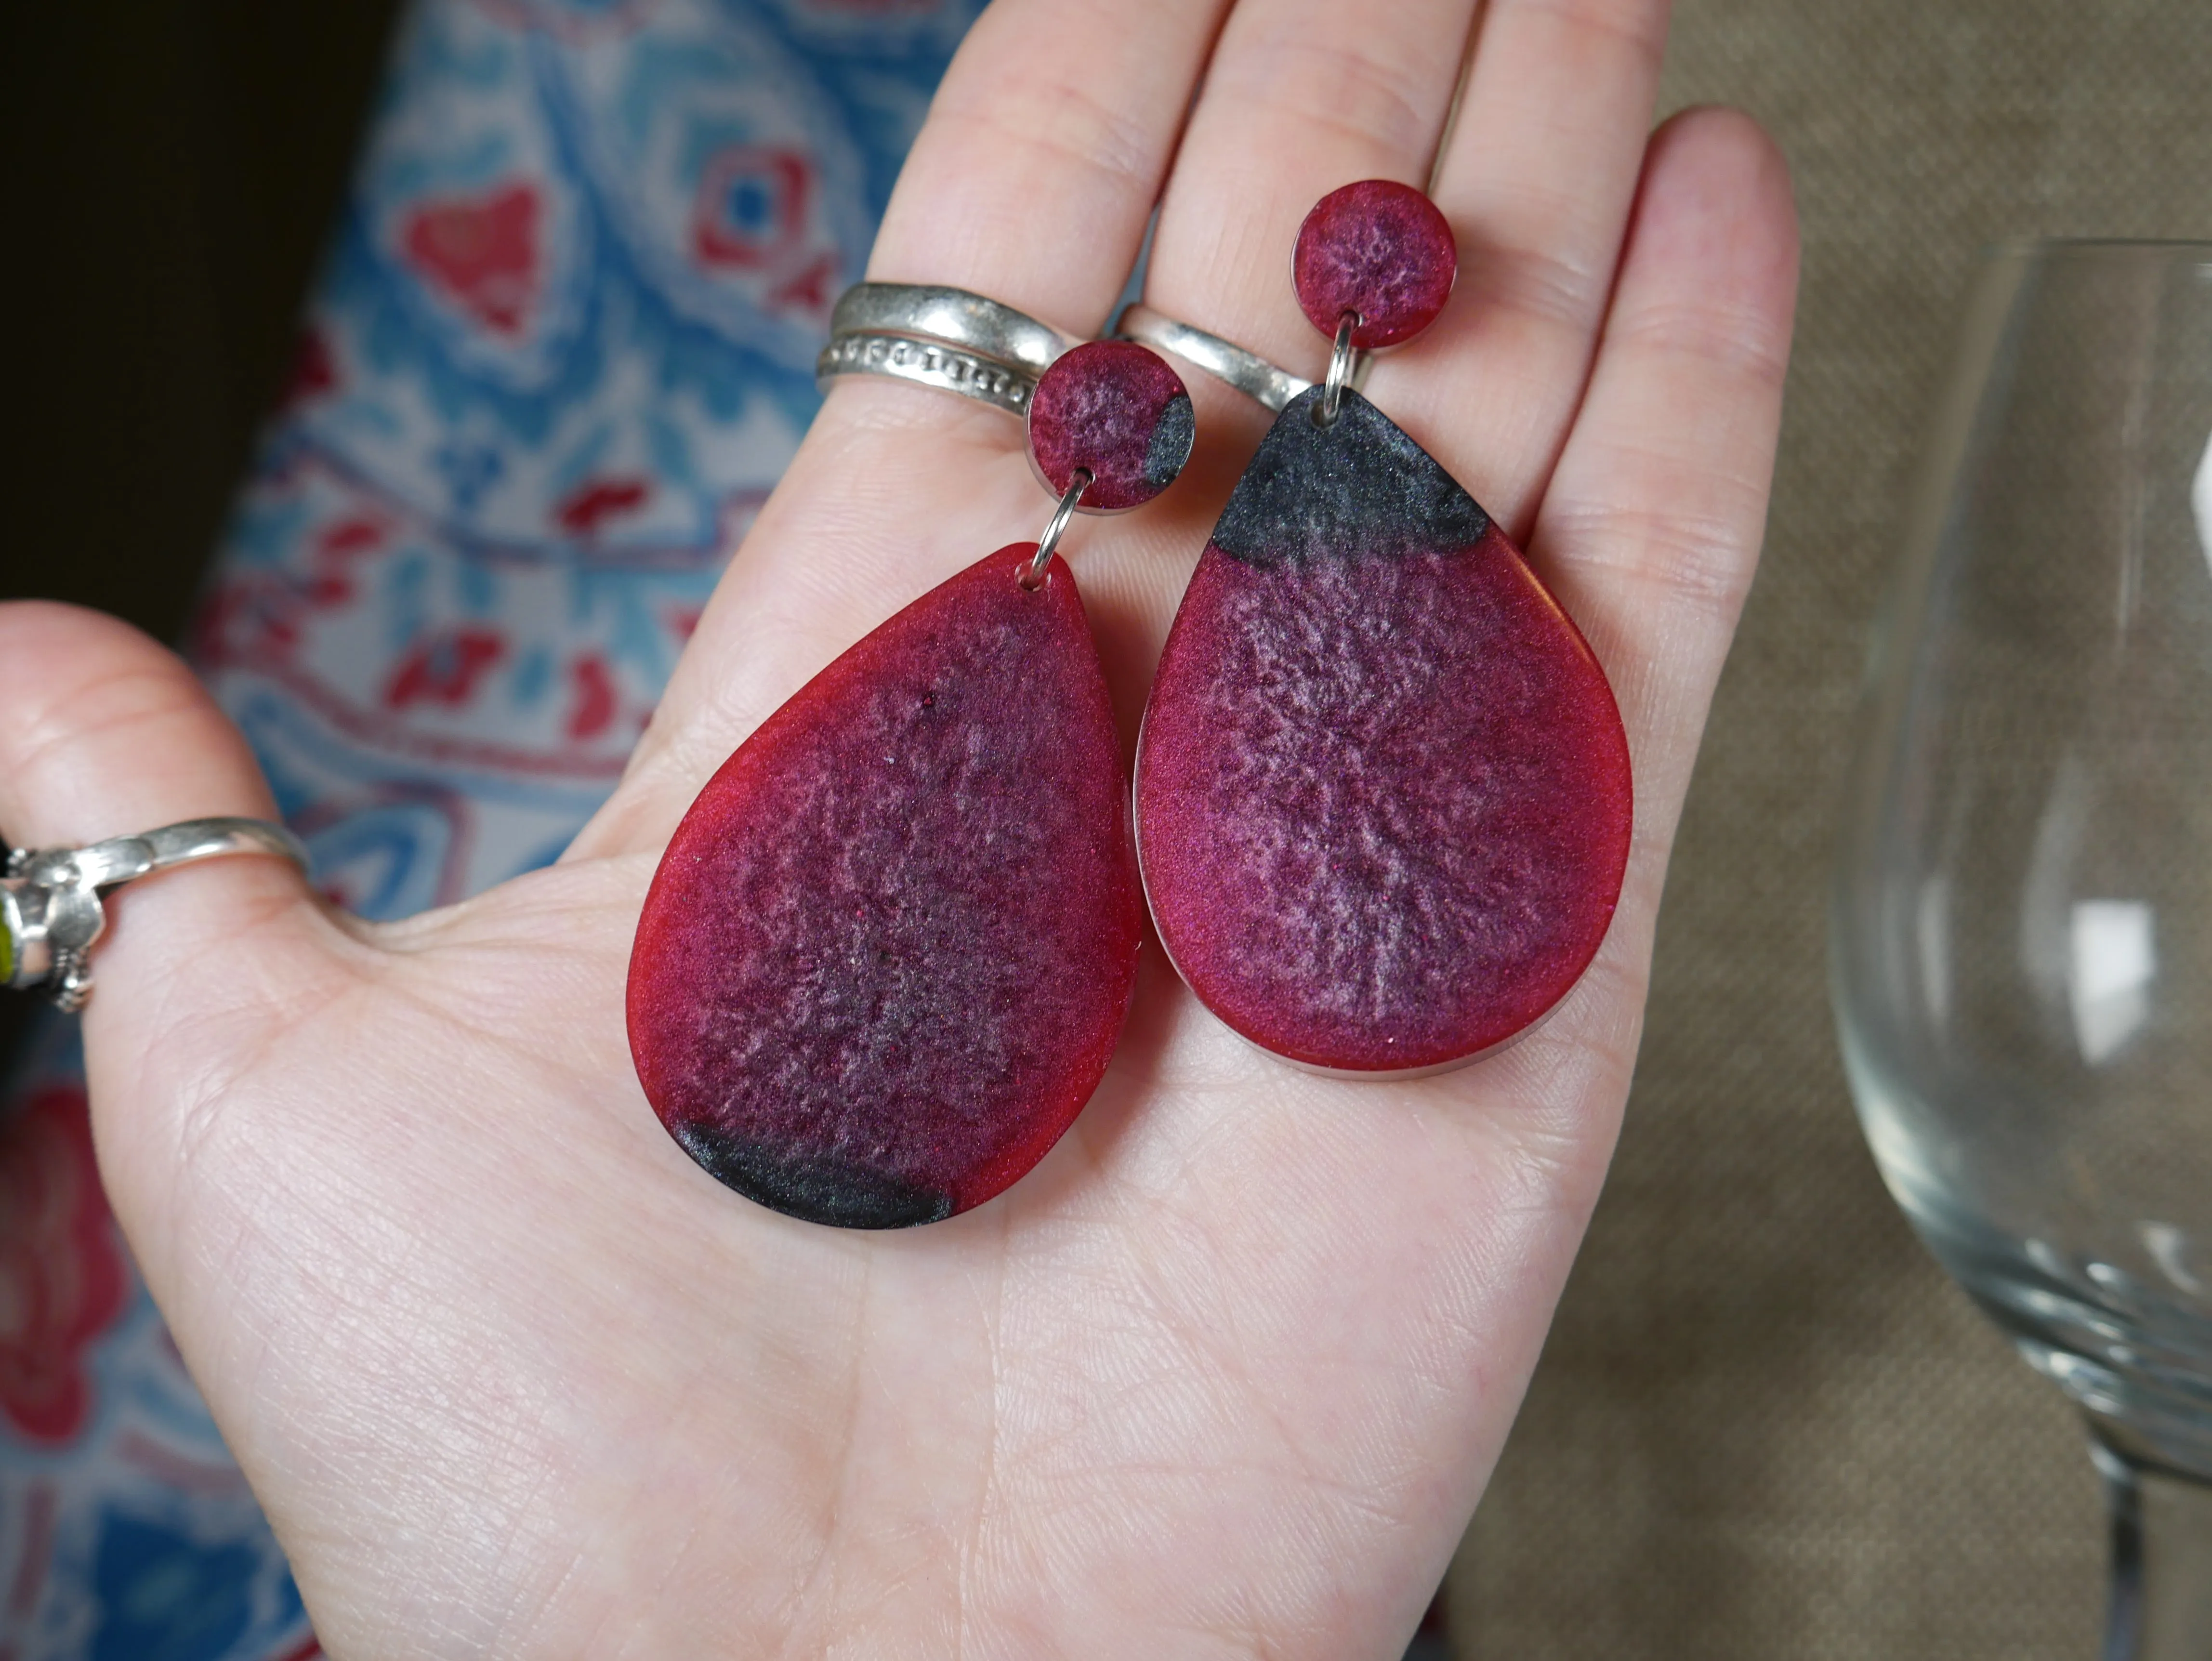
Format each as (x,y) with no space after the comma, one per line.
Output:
(1225,1374)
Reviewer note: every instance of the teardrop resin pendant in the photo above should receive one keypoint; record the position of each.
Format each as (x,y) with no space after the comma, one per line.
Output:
(891,948)
(1383,801)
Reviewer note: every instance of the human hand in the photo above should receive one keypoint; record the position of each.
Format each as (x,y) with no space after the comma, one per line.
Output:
(1225,1374)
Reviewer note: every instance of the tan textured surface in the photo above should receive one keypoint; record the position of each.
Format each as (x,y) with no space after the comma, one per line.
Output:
(1766,1425)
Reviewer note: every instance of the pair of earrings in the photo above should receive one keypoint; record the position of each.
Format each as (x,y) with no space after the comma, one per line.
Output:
(1382,799)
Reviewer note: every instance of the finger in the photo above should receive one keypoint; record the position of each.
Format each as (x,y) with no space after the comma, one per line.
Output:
(105,733)
(1536,179)
(1651,528)
(1032,182)
(1648,536)
(1043,154)
(1302,96)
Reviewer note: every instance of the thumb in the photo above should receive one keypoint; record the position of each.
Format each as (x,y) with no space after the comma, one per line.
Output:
(105,733)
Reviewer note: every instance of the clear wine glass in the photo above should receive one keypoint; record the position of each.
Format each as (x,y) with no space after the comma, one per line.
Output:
(2021,939)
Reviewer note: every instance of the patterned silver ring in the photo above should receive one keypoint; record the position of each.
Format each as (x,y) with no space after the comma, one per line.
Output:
(51,914)
(927,363)
(952,317)
(940,337)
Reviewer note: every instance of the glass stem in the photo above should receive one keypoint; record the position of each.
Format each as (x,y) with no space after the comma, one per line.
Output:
(2162,1607)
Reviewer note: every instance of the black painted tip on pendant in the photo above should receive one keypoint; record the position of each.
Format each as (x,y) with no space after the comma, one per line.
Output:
(1384,793)
(1171,444)
(1315,491)
(814,1191)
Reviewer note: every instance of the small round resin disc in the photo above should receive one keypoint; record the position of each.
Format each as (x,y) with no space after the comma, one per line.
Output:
(1115,408)
(1382,793)
(1378,249)
(889,949)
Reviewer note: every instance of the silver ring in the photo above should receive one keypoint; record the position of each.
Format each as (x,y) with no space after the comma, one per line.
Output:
(927,363)
(1343,363)
(1225,359)
(940,337)
(953,317)
(1033,574)
(51,914)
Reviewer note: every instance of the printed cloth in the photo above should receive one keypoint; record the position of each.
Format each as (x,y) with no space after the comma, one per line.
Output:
(562,348)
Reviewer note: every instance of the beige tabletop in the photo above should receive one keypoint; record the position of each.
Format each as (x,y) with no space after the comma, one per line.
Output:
(1766,1425)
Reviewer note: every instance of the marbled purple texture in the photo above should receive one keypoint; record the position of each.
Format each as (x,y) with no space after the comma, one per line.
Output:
(891,948)
(1115,408)
(1383,794)
(1378,249)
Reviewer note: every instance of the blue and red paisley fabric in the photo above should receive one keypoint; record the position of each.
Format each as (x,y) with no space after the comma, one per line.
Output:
(561,350)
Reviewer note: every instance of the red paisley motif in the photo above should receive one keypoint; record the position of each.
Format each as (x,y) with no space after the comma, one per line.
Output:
(480,253)
(61,1279)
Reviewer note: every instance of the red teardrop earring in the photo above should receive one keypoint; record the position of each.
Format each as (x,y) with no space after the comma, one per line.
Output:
(889,949)
(1382,790)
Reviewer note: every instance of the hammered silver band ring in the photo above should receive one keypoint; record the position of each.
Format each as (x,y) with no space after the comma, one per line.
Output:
(1225,359)
(51,910)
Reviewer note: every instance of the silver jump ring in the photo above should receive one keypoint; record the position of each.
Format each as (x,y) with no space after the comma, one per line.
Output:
(1225,359)
(1342,365)
(51,914)
(1033,574)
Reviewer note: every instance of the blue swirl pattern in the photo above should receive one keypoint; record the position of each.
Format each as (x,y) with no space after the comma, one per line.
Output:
(561,351)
